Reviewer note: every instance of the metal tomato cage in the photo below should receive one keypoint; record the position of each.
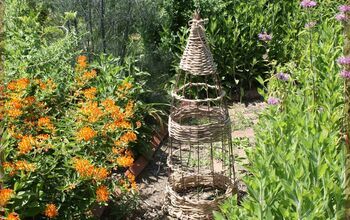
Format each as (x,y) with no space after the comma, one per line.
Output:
(200,160)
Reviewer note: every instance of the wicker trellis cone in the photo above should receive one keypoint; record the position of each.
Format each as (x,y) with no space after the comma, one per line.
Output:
(201,156)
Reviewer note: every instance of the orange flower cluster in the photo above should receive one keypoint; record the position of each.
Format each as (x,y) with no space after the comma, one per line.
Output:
(14,107)
(124,86)
(100,174)
(131,182)
(51,211)
(125,161)
(18,85)
(49,85)
(92,111)
(30,100)
(110,106)
(90,93)
(102,194)
(13,216)
(86,170)
(129,109)
(14,113)
(45,122)
(20,165)
(42,137)
(128,137)
(89,75)
(81,63)
(5,196)
(26,144)
(86,134)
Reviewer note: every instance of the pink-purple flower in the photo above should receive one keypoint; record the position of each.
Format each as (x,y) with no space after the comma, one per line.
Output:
(283,76)
(344,60)
(341,17)
(308,3)
(345,74)
(273,101)
(344,8)
(264,37)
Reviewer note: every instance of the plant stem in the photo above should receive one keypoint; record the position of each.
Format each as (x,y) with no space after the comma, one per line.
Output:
(311,61)
(347,120)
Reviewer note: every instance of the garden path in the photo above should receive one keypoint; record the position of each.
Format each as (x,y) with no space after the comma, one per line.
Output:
(152,180)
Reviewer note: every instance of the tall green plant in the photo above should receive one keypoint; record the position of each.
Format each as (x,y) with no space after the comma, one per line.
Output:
(297,167)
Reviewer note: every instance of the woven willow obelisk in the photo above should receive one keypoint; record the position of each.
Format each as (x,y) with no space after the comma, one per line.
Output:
(201,156)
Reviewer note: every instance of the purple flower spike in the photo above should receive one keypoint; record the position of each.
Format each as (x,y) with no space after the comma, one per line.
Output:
(265,37)
(308,4)
(341,17)
(345,74)
(273,101)
(283,76)
(344,60)
(344,8)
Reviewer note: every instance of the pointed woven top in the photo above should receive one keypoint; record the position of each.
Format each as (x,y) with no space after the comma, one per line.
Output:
(197,58)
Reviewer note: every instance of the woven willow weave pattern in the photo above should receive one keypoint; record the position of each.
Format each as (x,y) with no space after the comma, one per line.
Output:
(201,158)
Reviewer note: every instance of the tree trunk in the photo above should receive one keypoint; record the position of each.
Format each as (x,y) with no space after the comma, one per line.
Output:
(103,32)
(91,37)
(126,32)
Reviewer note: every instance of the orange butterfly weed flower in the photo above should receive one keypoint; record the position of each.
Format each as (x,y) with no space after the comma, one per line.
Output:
(109,105)
(22,83)
(12,85)
(83,167)
(51,211)
(123,124)
(13,216)
(90,93)
(81,63)
(89,75)
(42,137)
(45,122)
(125,86)
(128,137)
(29,100)
(24,166)
(117,150)
(102,194)
(5,196)
(138,124)
(26,144)
(14,113)
(100,174)
(129,109)
(15,103)
(125,161)
(86,134)
(9,167)
(92,111)
(131,177)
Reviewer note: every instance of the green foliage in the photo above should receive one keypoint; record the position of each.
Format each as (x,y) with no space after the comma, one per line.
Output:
(68,128)
(297,167)
(233,29)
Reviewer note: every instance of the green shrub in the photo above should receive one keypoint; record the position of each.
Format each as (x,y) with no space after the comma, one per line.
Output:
(69,128)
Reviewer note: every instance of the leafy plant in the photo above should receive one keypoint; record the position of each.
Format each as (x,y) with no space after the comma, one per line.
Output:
(297,167)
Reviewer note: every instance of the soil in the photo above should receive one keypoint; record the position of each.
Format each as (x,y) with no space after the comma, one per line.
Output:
(153,179)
